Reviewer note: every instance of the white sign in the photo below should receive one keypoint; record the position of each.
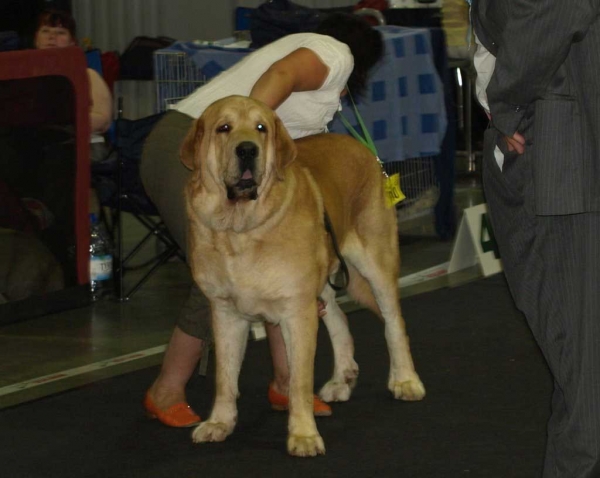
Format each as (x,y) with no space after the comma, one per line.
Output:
(475,243)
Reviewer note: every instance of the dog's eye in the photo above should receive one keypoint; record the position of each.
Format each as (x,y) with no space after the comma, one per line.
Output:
(224,128)
(261,127)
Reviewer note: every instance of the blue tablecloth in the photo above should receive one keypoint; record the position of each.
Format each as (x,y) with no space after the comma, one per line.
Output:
(404,105)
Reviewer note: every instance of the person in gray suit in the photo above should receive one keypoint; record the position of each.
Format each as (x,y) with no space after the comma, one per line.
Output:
(541,178)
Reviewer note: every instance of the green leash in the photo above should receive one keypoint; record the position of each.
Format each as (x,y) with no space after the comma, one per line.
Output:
(393,193)
(366,137)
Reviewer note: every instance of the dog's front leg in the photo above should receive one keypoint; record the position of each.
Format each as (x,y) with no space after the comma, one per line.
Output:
(231,337)
(300,336)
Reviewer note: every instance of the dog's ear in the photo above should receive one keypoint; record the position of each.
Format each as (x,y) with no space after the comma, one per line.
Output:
(285,148)
(190,147)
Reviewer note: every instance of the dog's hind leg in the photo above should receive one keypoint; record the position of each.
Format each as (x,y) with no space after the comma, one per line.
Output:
(379,268)
(231,338)
(345,370)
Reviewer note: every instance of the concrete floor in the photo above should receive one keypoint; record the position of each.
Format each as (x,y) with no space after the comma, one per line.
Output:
(58,352)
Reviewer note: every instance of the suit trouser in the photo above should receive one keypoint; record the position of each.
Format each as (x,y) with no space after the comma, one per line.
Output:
(164,178)
(552,264)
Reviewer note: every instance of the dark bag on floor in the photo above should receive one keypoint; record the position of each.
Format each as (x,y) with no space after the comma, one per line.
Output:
(277,18)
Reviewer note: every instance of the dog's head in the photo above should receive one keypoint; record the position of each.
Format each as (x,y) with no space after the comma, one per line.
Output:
(238,143)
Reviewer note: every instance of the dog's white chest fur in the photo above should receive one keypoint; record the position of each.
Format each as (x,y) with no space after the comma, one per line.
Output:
(249,272)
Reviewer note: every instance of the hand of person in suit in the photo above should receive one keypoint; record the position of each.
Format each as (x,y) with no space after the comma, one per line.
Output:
(516,142)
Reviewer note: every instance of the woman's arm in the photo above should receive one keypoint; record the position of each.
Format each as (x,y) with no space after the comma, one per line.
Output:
(301,70)
(101,108)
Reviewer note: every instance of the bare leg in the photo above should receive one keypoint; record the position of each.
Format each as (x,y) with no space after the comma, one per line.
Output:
(181,358)
(281,371)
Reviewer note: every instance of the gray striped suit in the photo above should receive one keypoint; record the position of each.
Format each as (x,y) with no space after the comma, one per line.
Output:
(545,204)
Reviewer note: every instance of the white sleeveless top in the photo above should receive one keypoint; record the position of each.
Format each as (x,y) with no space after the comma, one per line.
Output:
(304,112)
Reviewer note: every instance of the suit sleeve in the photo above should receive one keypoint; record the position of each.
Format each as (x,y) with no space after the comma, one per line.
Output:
(534,44)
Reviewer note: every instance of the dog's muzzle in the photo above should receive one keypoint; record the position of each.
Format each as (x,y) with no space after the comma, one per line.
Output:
(246,187)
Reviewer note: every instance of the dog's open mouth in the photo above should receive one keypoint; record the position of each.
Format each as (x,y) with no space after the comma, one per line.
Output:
(245,188)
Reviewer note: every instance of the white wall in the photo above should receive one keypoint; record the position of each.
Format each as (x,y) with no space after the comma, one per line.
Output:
(112,24)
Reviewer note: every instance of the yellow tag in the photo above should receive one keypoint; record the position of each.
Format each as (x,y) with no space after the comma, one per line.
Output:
(393,194)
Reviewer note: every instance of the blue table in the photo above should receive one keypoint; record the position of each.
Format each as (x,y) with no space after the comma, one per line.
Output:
(404,105)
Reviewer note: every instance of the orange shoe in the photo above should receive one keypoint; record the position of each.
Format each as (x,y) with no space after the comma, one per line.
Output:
(280,402)
(179,415)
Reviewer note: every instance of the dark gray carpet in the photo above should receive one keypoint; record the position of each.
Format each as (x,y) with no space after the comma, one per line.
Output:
(484,416)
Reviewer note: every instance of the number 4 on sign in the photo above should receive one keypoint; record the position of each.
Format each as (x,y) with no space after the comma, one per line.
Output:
(487,239)
(475,243)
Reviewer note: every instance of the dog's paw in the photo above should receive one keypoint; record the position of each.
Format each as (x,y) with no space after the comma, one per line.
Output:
(409,390)
(340,390)
(305,445)
(207,432)
(335,392)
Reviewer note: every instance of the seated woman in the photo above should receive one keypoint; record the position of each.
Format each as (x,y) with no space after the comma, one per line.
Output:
(57,29)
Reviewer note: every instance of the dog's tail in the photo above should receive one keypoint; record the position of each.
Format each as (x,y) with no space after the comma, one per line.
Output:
(360,290)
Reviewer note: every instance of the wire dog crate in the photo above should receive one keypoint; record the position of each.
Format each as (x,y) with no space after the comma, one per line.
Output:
(419,184)
(176,76)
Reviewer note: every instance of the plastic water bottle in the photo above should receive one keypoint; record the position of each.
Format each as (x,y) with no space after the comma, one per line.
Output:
(101,260)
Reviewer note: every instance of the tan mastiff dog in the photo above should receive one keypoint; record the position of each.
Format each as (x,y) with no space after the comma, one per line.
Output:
(258,249)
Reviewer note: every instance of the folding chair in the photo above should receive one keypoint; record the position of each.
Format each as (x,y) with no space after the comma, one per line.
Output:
(120,188)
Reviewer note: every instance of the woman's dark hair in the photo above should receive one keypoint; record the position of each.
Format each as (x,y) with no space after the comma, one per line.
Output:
(366,45)
(57,18)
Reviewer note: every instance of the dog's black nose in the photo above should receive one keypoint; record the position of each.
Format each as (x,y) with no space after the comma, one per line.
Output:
(246,150)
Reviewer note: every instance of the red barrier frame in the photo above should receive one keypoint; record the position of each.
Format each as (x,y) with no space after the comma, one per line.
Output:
(71,64)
